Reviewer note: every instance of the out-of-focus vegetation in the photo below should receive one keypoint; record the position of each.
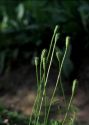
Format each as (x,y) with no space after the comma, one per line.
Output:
(45,62)
(26,25)
(8,117)
(42,100)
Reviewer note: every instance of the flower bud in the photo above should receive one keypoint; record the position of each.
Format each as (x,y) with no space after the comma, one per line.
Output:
(67,41)
(56,29)
(43,54)
(58,55)
(36,61)
(44,63)
(74,85)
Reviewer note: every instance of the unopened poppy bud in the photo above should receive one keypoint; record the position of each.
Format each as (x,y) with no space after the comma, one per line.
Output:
(67,41)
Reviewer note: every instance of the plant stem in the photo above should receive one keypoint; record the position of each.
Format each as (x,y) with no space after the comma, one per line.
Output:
(50,48)
(37,76)
(33,109)
(56,84)
(62,90)
(45,92)
(40,71)
(37,94)
(68,109)
(50,63)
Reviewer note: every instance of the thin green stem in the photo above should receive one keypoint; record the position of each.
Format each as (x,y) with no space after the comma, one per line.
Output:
(40,71)
(56,84)
(37,76)
(36,96)
(33,109)
(45,93)
(46,79)
(62,88)
(50,48)
(63,91)
(68,109)
(70,102)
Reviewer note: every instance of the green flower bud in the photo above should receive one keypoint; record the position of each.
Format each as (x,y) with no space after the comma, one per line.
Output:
(67,41)
(43,54)
(36,61)
(74,85)
(44,63)
(58,56)
(56,29)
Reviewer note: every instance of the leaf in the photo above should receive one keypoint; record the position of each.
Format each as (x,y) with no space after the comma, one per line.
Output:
(4,22)
(20,11)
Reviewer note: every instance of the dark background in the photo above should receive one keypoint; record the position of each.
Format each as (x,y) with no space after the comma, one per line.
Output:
(26,28)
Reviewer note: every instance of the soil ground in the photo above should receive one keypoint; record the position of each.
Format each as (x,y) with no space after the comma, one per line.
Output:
(18,92)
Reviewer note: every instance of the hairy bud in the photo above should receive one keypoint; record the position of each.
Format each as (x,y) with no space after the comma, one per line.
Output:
(56,29)
(67,41)
(43,54)
(36,61)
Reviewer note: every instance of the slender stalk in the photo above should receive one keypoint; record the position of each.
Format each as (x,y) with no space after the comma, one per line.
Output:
(46,79)
(68,109)
(33,109)
(58,55)
(40,71)
(45,92)
(56,84)
(62,90)
(50,48)
(73,91)
(36,96)
(37,77)
(62,85)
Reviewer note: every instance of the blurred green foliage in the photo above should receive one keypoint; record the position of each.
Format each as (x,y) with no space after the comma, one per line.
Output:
(9,117)
(28,24)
